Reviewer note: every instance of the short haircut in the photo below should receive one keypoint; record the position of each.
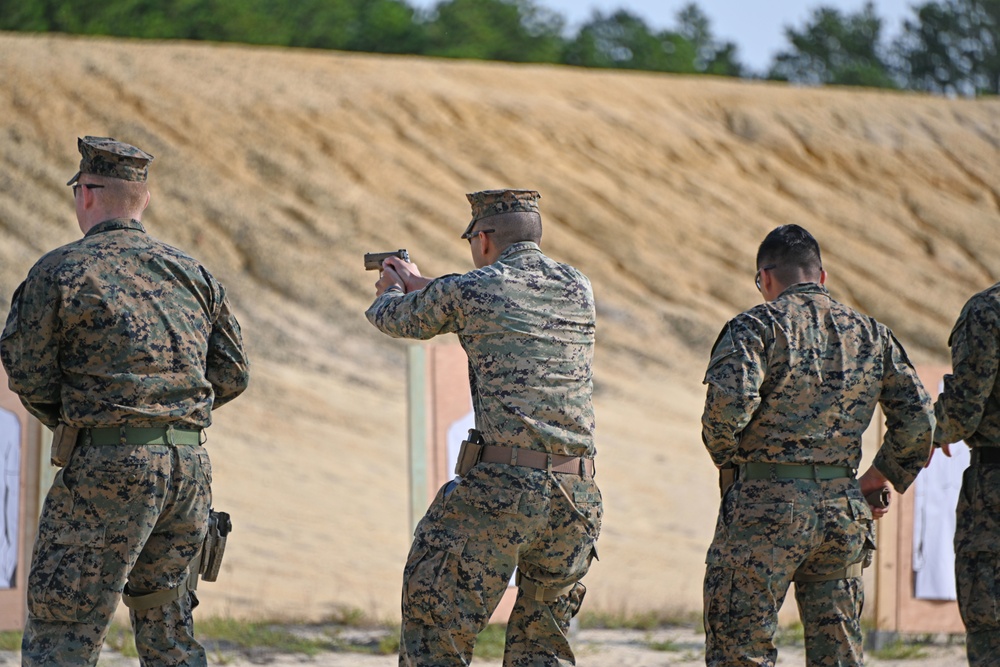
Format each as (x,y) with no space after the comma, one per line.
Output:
(123,197)
(791,251)
(512,227)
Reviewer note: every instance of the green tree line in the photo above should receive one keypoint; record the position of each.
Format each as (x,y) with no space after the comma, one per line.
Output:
(947,46)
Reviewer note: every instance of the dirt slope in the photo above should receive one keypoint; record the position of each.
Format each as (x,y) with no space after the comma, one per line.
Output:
(280,168)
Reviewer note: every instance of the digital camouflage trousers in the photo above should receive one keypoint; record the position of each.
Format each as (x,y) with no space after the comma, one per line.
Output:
(117,514)
(766,533)
(466,548)
(977,563)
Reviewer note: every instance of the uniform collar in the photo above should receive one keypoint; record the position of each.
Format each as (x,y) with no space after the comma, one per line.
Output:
(518,247)
(805,288)
(115,224)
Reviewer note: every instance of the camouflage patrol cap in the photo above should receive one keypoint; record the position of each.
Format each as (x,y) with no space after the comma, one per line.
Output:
(493,202)
(103,156)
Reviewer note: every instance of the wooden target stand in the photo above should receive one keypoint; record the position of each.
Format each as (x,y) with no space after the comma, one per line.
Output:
(26,478)
(897,611)
(440,416)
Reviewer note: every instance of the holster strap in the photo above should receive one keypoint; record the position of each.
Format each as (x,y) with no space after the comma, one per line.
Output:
(540,593)
(155,599)
(132,435)
(774,471)
(850,572)
(989,456)
(529,458)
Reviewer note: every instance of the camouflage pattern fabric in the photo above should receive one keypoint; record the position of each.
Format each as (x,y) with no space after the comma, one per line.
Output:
(90,542)
(465,550)
(969,409)
(488,203)
(796,381)
(766,533)
(120,329)
(103,156)
(527,326)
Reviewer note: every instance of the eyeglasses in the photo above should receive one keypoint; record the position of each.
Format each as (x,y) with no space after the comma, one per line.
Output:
(473,234)
(89,186)
(756,278)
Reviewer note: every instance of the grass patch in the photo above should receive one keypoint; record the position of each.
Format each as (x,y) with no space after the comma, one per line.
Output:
(790,635)
(121,639)
(389,644)
(644,620)
(10,640)
(490,642)
(666,646)
(352,617)
(259,635)
(899,650)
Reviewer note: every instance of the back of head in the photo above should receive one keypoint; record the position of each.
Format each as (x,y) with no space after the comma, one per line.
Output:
(120,169)
(512,215)
(792,254)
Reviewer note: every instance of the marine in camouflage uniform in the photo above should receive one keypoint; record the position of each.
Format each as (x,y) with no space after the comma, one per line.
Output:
(969,409)
(527,325)
(134,343)
(792,384)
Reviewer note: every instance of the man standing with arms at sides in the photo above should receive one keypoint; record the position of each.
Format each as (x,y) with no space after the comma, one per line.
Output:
(792,384)
(969,409)
(133,343)
(526,497)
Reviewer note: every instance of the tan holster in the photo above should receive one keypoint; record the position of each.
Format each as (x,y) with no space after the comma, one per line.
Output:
(728,474)
(469,453)
(63,443)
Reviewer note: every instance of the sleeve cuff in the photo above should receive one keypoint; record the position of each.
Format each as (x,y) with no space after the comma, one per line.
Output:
(896,474)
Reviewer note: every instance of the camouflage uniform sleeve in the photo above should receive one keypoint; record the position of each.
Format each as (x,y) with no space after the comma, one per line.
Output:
(30,349)
(975,356)
(433,310)
(228,368)
(734,376)
(909,420)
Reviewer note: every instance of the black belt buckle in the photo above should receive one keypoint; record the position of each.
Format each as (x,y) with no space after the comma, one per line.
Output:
(989,456)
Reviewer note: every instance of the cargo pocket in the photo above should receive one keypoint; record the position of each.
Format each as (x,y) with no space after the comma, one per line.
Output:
(862,513)
(718,597)
(65,579)
(432,577)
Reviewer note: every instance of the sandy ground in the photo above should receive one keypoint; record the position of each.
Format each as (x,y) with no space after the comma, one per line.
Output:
(678,647)
(280,168)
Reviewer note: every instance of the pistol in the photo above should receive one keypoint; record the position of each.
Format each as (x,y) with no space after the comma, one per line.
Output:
(373,260)
(879,497)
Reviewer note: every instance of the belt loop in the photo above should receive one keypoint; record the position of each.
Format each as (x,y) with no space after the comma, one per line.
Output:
(548,463)
(170,435)
(815,472)
(513,456)
(774,472)
(122,437)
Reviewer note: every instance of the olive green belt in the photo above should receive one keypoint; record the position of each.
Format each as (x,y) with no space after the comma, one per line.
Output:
(132,435)
(793,471)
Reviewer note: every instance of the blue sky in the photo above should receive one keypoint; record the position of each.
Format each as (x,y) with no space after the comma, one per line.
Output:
(757,27)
